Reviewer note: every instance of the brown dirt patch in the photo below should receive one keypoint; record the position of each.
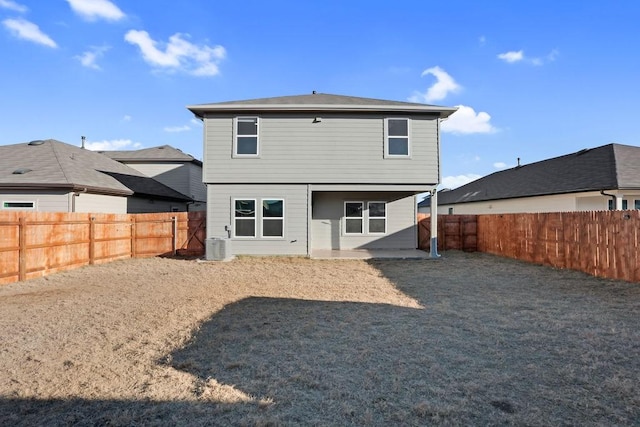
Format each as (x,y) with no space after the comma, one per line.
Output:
(468,339)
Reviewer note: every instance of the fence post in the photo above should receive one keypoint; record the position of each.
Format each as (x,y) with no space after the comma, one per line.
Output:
(133,237)
(174,230)
(22,251)
(92,240)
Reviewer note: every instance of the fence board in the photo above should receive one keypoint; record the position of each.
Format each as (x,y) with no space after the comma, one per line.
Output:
(34,244)
(604,244)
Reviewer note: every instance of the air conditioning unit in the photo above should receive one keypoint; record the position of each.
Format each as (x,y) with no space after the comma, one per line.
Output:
(218,249)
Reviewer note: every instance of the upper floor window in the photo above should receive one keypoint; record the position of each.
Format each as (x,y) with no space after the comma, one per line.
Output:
(246,142)
(396,138)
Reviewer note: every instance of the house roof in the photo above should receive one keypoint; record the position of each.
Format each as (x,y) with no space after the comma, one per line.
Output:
(51,164)
(321,102)
(162,153)
(609,167)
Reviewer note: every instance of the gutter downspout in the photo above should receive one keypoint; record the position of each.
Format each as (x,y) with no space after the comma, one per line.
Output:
(614,199)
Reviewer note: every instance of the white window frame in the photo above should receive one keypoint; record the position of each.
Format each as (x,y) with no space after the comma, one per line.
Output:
(387,136)
(236,136)
(263,218)
(369,218)
(236,218)
(361,218)
(18,208)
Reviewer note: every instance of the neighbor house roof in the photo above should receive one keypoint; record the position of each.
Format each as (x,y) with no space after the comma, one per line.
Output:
(321,102)
(51,164)
(163,153)
(609,167)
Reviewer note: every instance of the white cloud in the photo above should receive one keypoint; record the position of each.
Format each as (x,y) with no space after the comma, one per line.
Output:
(11,5)
(467,121)
(196,122)
(500,165)
(23,29)
(177,128)
(512,56)
(126,118)
(444,85)
(482,40)
(114,144)
(88,59)
(519,56)
(179,54)
(92,10)
(452,182)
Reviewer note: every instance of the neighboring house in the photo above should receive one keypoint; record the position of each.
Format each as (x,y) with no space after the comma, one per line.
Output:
(602,178)
(170,166)
(294,174)
(51,176)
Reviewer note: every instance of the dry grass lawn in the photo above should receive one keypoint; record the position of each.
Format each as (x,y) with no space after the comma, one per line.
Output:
(470,339)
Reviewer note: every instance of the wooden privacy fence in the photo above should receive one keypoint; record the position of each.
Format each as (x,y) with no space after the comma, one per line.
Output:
(34,244)
(454,232)
(603,244)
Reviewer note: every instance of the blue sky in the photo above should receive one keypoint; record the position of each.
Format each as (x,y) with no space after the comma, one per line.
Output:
(533,79)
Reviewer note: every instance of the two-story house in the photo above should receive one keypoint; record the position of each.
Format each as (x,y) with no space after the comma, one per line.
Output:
(296,174)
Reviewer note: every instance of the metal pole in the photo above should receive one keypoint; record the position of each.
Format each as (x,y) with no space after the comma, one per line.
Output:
(433,253)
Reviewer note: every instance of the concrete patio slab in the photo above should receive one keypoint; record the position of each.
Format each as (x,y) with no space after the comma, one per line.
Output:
(370,254)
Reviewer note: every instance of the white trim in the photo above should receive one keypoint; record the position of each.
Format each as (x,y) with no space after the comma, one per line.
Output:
(235,153)
(386,139)
(18,208)
(254,218)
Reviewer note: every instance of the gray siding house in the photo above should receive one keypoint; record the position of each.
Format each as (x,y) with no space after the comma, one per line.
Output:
(595,179)
(296,174)
(170,166)
(51,176)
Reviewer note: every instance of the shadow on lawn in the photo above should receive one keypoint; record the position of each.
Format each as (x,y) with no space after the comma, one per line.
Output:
(330,362)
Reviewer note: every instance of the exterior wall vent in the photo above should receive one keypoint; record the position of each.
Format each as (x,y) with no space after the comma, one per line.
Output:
(21,171)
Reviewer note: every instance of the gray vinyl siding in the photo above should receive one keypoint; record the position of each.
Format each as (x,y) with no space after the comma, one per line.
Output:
(342,148)
(50,201)
(144,205)
(220,215)
(327,222)
(185,178)
(197,187)
(99,203)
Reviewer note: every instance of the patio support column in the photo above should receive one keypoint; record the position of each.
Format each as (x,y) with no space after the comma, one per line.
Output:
(433,253)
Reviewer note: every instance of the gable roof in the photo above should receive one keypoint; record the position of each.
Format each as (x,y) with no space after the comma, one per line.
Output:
(51,164)
(609,167)
(321,102)
(162,153)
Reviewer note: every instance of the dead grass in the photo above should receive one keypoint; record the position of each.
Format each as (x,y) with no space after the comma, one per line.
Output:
(469,339)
